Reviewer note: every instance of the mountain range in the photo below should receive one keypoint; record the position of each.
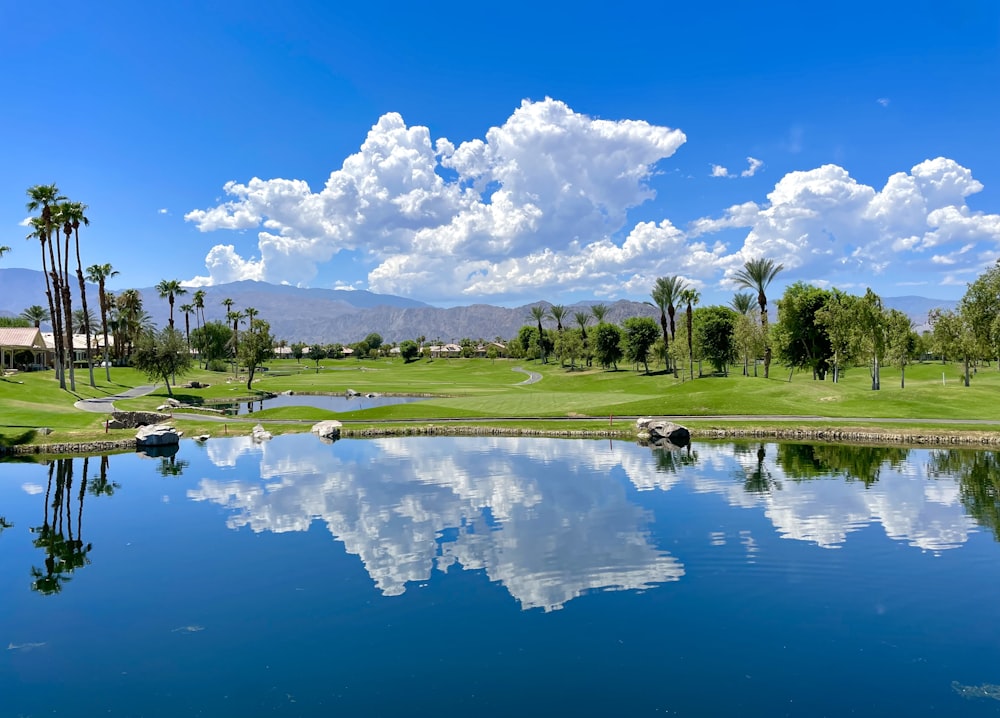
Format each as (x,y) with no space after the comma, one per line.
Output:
(346,316)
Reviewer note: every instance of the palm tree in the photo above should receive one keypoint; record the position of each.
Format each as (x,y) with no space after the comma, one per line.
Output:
(690,296)
(130,314)
(599,311)
(64,215)
(4,249)
(538,313)
(198,300)
(36,314)
(168,289)
(666,291)
(82,321)
(44,198)
(235,318)
(756,275)
(188,309)
(99,273)
(557,312)
(742,302)
(582,319)
(73,216)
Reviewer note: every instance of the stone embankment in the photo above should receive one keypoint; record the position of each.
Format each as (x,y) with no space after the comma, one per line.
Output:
(857,436)
(86,447)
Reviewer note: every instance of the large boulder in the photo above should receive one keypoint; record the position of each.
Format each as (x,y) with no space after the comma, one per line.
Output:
(329,429)
(661,430)
(260,434)
(157,435)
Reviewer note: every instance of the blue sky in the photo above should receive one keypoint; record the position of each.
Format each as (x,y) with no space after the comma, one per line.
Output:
(460,152)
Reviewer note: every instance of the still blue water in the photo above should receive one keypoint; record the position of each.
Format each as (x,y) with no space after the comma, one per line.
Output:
(339,403)
(498,577)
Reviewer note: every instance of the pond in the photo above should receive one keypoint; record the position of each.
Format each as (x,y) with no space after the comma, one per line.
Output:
(338,402)
(499,577)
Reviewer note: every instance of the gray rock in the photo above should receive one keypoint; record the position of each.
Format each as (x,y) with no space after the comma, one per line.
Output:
(656,430)
(157,435)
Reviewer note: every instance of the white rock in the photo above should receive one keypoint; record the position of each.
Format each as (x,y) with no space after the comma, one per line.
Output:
(260,434)
(329,429)
(158,435)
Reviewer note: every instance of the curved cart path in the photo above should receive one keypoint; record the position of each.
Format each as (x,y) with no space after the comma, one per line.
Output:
(105,404)
(533,376)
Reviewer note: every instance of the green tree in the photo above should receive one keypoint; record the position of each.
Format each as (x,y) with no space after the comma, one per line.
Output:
(256,347)
(298,350)
(838,319)
(980,307)
(801,340)
(530,344)
(901,342)
(317,352)
(746,330)
(169,289)
(161,355)
(640,334)
(756,275)
(953,338)
(99,274)
(212,340)
(872,330)
(569,345)
(408,349)
(608,345)
(372,342)
(557,312)
(714,336)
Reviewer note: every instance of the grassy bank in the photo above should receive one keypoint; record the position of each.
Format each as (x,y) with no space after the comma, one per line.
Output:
(34,410)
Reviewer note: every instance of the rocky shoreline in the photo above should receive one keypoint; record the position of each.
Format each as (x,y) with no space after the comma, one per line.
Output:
(917,438)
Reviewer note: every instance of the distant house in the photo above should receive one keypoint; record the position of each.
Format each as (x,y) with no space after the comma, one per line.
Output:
(445,351)
(15,341)
(79,348)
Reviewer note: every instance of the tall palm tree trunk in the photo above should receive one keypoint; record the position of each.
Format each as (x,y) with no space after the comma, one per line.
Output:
(68,316)
(83,301)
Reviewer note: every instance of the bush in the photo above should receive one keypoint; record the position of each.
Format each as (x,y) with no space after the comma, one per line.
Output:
(217,365)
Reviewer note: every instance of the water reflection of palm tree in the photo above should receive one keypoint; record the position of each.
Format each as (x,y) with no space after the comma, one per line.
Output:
(758,479)
(64,553)
(100,486)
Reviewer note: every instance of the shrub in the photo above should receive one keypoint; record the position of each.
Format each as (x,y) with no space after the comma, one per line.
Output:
(217,365)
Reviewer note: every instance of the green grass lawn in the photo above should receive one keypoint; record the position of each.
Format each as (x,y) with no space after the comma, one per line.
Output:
(484,389)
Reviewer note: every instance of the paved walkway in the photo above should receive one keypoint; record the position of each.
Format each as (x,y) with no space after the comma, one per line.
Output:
(105,404)
(533,376)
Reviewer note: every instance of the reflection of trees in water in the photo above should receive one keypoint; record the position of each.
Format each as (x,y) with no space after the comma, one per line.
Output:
(99,484)
(855,463)
(170,466)
(61,534)
(978,476)
(5,524)
(756,476)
